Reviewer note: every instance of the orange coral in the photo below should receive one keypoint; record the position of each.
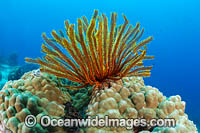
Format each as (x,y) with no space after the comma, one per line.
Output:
(95,54)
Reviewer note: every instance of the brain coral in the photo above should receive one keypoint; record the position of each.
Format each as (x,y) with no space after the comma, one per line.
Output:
(130,98)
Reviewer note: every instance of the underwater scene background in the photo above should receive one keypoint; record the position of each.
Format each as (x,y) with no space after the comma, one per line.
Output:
(174,24)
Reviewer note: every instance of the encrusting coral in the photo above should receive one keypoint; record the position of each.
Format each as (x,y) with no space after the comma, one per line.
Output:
(95,55)
(130,98)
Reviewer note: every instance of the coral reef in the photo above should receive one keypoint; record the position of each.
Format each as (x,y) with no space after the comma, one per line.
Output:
(81,97)
(41,94)
(43,85)
(8,72)
(32,94)
(130,98)
(17,104)
(107,64)
(103,54)
(18,71)
(72,113)
(4,70)
(11,59)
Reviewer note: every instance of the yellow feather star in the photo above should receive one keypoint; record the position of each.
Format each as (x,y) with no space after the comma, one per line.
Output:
(95,55)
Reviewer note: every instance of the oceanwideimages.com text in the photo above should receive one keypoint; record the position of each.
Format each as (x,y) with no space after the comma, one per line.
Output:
(45,121)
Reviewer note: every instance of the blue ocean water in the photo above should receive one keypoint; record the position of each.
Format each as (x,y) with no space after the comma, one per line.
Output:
(174,24)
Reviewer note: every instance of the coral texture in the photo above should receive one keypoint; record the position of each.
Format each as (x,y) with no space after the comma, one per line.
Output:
(40,94)
(41,85)
(130,98)
(16,104)
(31,95)
(81,97)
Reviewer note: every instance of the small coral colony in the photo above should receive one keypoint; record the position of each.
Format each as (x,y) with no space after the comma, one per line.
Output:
(96,53)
